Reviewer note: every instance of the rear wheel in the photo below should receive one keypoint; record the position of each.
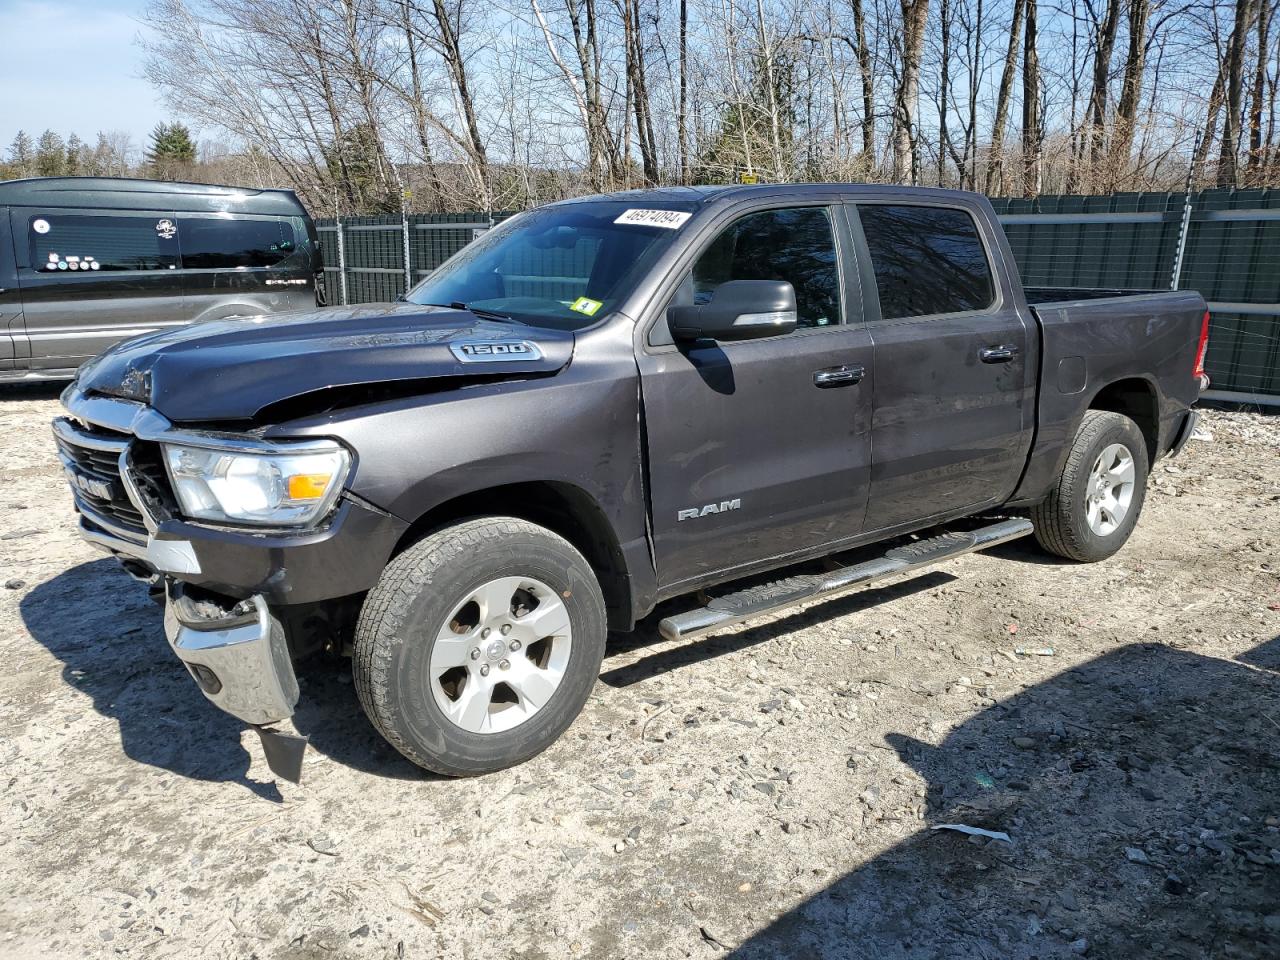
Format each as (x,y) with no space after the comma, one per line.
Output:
(479,645)
(1094,506)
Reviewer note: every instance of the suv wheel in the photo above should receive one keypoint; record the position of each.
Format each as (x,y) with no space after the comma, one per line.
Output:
(479,645)
(1095,504)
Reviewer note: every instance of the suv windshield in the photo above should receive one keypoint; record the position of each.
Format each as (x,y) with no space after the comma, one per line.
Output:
(563,267)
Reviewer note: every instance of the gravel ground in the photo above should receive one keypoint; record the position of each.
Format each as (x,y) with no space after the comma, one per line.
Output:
(765,793)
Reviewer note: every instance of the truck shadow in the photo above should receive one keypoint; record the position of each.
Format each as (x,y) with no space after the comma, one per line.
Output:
(110,639)
(1141,805)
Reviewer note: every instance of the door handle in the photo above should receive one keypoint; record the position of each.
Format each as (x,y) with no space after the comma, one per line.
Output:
(839,376)
(999,354)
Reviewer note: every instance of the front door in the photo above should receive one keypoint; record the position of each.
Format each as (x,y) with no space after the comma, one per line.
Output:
(954,389)
(755,451)
(91,278)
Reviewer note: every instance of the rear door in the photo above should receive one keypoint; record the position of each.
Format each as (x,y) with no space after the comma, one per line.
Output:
(954,395)
(753,455)
(245,265)
(91,278)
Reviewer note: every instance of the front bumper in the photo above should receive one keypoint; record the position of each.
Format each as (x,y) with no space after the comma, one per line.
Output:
(239,656)
(122,511)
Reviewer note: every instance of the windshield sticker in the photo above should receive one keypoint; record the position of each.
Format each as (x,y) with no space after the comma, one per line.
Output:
(166,229)
(40,226)
(586,305)
(669,219)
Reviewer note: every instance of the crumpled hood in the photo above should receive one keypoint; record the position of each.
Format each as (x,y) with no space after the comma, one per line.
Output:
(231,369)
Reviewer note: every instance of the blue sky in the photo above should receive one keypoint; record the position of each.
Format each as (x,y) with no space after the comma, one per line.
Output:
(73,66)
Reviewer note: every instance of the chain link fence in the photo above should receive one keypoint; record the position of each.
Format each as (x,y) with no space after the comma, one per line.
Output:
(1223,243)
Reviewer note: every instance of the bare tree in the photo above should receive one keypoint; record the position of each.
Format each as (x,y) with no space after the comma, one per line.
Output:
(995,169)
(1031,106)
(1234,69)
(906,165)
(1104,41)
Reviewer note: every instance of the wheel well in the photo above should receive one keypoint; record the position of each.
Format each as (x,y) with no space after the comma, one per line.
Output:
(560,507)
(1136,399)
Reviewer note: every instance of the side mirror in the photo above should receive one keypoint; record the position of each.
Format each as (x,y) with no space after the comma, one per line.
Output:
(739,310)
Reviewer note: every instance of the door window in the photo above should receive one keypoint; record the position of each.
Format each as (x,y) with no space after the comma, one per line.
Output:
(211,243)
(796,245)
(72,242)
(927,260)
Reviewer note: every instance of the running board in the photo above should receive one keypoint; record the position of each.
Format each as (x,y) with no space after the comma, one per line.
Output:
(768,598)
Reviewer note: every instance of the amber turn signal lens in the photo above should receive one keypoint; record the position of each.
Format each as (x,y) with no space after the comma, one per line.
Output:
(308,486)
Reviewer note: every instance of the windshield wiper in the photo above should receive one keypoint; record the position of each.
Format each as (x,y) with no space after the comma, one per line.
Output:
(478,311)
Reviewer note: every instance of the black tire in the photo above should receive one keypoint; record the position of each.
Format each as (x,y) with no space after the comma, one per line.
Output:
(1061,522)
(404,613)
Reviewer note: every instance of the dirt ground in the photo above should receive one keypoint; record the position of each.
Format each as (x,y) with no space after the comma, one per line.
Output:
(765,793)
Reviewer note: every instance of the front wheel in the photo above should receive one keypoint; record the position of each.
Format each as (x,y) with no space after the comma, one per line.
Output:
(479,645)
(1094,506)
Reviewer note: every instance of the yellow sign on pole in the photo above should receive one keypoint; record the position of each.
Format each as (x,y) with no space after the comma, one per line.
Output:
(747,178)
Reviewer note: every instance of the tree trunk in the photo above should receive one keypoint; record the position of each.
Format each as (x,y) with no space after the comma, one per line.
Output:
(682,112)
(1030,107)
(1096,117)
(1256,153)
(944,84)
(975,69)
(1131,92)
(640,96)
(995,166)
(868,88)
(1228,157)
(905,157)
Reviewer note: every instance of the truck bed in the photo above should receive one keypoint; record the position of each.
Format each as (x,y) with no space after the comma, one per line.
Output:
(1138,342)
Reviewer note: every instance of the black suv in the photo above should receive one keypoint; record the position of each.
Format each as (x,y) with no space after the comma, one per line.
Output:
(86,262)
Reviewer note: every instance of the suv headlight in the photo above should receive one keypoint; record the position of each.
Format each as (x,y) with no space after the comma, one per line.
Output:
(264,486)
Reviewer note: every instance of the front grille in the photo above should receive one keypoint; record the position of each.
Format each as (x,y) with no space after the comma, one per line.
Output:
(91,457)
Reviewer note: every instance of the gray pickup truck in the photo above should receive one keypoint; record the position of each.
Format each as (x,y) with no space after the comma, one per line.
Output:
(748,397)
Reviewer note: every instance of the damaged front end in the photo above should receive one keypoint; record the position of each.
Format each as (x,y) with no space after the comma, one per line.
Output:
(238,654)
(241,602)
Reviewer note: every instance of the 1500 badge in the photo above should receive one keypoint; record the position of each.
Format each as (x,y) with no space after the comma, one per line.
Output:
(724,506)
(485,351)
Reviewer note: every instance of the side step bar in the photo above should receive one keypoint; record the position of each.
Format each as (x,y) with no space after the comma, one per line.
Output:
(768,598)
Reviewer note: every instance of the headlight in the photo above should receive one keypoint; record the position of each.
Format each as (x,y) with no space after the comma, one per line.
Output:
(267,487)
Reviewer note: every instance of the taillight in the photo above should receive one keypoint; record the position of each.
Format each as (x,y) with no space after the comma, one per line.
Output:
(1202,348)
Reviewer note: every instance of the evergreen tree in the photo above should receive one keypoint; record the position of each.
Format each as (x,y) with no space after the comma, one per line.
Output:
(51,155)
(74,166)
(22,155)
(172,150)
(352,165)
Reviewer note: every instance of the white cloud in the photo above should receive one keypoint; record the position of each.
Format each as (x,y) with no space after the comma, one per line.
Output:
(73,66)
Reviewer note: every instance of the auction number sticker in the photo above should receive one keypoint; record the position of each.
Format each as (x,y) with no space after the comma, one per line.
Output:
(669,219)
(586,305)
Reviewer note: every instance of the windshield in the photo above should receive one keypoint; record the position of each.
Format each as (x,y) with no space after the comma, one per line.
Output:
(563,267)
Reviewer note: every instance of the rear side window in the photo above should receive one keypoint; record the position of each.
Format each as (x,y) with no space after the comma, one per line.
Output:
(795,245)
(72,242)
(209,243)
(927,260)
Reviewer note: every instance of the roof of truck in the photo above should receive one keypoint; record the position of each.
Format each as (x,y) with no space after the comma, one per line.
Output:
(740,191)
(122,193)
